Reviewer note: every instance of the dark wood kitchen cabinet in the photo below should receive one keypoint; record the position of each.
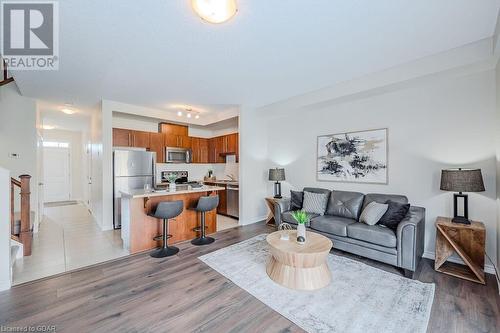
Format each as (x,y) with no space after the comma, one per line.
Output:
(221,146)
(200,150)
(122,137)
(140,139)
(130,138)
(157,144)
(178,141)
(212,150)
(173,129)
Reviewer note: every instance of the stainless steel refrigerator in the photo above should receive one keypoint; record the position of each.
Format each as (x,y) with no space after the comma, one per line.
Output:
(132,169)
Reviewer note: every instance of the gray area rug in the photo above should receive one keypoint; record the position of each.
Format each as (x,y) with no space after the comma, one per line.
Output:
(360,298)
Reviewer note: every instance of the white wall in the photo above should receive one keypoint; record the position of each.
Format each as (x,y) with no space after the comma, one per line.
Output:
(254,142)
(433,124)
(78,168)
(498,164)
(5,265)
(18,135)
(96,147)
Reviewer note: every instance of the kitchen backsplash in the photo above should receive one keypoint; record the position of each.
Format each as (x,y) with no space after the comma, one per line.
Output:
(198,171)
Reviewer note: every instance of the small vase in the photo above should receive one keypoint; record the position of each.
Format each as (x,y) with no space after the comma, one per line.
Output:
(301,233)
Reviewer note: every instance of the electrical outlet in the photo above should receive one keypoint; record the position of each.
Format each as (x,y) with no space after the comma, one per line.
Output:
(14,155)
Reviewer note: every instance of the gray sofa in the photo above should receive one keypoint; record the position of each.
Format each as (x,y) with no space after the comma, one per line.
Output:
(402,248)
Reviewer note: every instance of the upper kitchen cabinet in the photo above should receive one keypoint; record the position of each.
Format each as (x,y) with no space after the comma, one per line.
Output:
(157,144)
(122,137)
(232,143)
(130,138)
(222,146)
(200,150)
(177,141)
(175,135)
(173,129)
(140,139)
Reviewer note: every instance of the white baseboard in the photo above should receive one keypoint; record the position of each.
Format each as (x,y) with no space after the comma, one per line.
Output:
(488,268)
(253,220)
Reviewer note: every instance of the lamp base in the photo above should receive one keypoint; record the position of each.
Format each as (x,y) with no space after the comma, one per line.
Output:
(460,220)
(277,190)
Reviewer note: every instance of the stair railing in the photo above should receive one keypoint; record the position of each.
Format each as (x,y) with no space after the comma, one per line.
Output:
(25,235)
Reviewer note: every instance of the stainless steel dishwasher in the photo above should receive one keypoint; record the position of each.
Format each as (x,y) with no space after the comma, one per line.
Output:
(233,200)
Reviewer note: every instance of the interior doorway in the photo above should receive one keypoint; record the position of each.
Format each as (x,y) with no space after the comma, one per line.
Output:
(57,175)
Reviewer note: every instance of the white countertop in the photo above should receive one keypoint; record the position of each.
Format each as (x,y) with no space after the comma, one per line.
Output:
(140,193)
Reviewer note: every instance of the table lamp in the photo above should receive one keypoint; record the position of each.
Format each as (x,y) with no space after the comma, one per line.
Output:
(461,180)
(277,175)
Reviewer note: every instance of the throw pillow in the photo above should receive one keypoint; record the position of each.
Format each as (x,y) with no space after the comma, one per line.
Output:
(315,203)
(296,200)
(373,213)
(396,212)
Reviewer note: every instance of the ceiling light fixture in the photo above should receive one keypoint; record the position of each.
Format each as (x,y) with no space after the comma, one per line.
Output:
(48,127)
(189,115)
(215,11)
(197,116)
(68,111)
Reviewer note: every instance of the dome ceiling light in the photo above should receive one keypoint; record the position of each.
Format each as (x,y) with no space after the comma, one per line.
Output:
(215,11)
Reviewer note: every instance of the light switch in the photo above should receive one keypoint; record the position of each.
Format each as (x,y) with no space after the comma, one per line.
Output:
(14,155)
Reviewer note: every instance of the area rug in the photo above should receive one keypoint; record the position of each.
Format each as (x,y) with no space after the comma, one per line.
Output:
(360,298)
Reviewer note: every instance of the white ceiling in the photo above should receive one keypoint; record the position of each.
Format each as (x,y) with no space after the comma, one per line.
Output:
(157,53)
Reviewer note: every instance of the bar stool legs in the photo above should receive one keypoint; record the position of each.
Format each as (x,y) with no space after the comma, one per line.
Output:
(165,250)
(203,240)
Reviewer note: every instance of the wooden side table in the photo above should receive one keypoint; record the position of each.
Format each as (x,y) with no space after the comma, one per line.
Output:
(270,217)
(468,241)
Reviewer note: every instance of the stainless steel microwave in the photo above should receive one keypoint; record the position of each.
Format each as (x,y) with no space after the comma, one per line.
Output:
(178,155)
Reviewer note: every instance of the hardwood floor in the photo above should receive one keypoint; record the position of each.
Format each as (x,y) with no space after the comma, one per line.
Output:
(181,294)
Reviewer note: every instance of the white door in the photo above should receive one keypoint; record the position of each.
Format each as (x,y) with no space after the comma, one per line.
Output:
(57,184)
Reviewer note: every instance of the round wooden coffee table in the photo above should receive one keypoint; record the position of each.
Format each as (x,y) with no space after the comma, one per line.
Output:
(300,267)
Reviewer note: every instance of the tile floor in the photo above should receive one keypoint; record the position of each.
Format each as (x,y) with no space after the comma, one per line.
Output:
(226,222)
(68,239)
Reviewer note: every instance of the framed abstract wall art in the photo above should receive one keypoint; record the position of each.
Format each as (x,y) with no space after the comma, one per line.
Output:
(353,157)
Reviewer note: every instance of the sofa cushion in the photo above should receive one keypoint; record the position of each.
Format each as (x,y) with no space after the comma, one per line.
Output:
(383,198)
(288,218)
(334,225)
(345,204)
(375,234)
(315,202)
(296,200)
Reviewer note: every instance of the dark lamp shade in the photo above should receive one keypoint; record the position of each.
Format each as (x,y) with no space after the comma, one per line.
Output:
(277,175)
(462,180)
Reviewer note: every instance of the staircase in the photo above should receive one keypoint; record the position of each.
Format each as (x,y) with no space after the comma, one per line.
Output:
(21,226)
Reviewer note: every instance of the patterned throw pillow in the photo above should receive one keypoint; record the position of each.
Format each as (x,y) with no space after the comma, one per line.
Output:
(315,203)
(373,213)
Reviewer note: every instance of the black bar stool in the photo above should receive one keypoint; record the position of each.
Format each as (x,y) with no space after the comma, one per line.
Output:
(205,204)
(166,210)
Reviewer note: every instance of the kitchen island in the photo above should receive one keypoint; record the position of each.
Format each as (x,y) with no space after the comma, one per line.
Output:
(139,229)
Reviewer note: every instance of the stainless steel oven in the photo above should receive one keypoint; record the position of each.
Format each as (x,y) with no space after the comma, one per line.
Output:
(178,155)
